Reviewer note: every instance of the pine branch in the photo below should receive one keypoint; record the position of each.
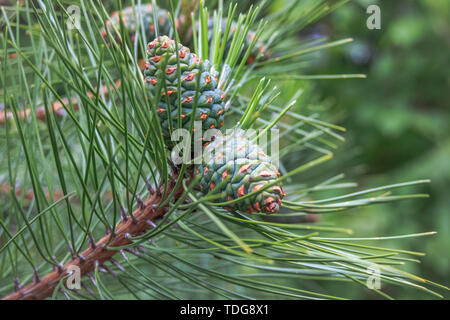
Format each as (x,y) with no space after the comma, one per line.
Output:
(97,254)
(116,142)
(5,188)
(57,107)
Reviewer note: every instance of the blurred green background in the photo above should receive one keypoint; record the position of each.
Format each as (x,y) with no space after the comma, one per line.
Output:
(397,122)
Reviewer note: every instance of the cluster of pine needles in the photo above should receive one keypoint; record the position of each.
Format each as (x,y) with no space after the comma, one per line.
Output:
(74,172)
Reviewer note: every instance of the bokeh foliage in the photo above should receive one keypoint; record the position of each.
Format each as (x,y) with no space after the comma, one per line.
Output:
(397,119)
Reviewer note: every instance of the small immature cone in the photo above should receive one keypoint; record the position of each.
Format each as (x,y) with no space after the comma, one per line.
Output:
(130,18)
(97,254)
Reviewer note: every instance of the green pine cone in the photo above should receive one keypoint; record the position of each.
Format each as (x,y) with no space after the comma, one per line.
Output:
(129,17)
(210,107)
(234,167)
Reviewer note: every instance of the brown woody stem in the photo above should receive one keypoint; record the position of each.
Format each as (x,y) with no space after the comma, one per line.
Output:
(98,254)
(57,107)
(5,189)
